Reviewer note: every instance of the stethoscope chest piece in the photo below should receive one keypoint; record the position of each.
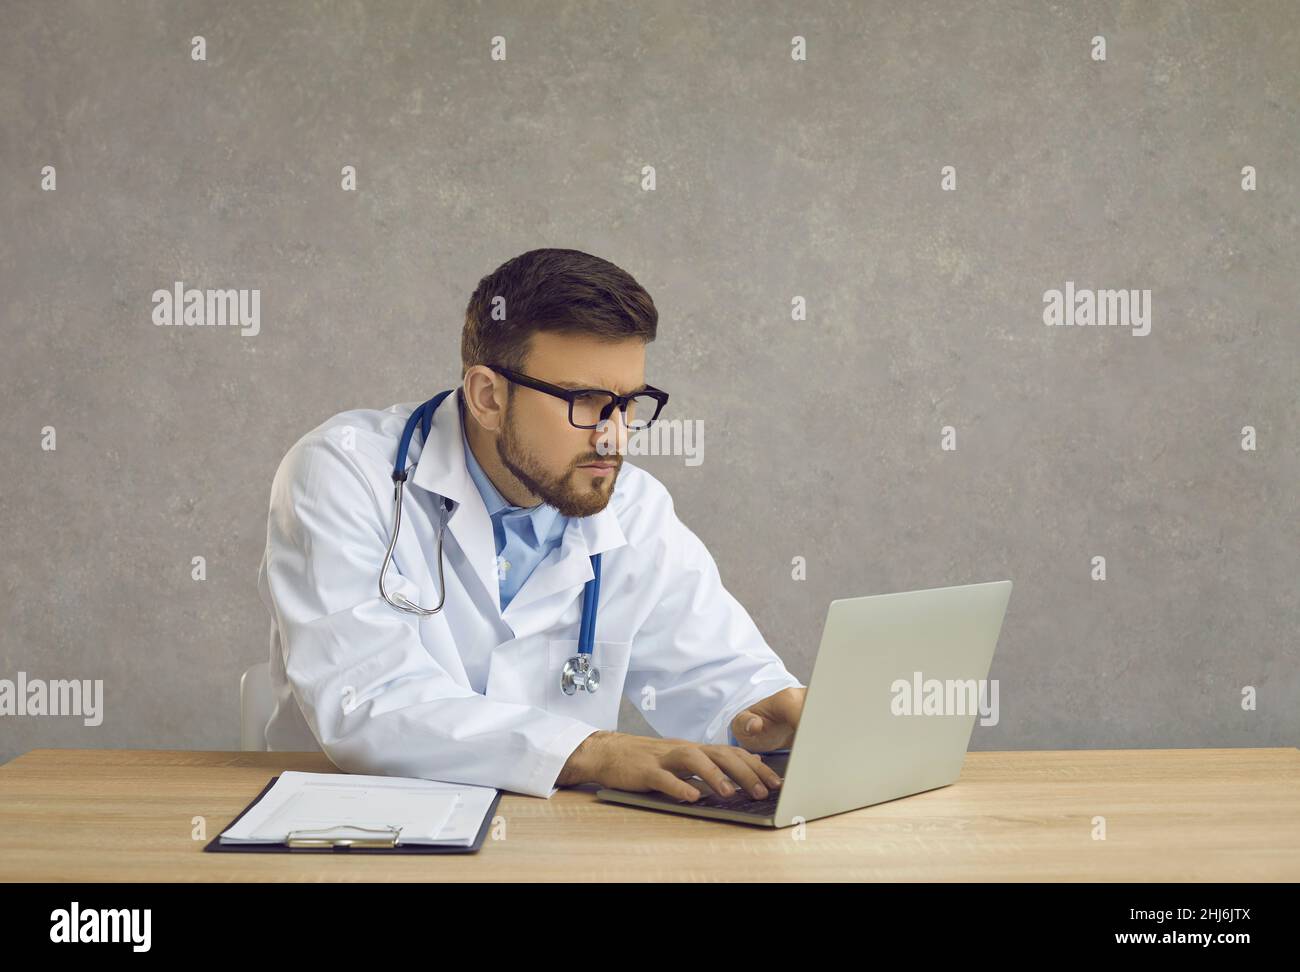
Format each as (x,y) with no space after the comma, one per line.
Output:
(579,673)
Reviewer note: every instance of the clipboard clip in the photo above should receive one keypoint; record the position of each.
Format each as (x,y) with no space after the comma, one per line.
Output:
(393,833)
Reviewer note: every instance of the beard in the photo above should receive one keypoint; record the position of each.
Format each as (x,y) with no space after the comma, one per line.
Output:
(565,492)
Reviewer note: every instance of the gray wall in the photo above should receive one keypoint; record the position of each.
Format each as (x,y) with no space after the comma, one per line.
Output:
(775,179)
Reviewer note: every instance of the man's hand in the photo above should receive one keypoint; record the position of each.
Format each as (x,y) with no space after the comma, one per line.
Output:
(639,763)
(770,724)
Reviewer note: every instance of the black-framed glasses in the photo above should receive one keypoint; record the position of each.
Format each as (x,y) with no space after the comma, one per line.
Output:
(589,408)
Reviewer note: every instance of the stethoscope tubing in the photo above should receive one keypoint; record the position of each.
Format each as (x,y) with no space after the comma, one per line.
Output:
(423,417)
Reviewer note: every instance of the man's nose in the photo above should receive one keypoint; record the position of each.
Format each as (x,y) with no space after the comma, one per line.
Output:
(611,435)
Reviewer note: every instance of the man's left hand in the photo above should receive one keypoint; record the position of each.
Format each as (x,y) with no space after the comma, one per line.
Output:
(769,724)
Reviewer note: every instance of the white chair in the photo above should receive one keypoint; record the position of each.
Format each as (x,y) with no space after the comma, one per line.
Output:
(256,703)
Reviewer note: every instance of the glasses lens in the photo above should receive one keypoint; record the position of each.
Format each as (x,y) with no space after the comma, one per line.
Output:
(640,412)
(586,409)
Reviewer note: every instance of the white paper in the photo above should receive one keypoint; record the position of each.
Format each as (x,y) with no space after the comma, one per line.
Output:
(426,811)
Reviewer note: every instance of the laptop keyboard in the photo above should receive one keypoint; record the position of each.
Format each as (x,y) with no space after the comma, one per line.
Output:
(739,801)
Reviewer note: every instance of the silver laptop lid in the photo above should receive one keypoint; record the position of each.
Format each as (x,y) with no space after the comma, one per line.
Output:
(898,683)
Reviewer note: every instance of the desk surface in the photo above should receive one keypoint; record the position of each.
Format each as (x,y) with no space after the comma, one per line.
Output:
(1170,815)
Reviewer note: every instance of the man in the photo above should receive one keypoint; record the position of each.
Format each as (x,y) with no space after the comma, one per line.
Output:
(536,483)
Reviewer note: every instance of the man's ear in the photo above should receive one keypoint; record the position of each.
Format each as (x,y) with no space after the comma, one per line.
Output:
(485,397)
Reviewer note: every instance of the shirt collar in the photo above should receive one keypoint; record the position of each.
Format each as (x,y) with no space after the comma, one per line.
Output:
(441,468)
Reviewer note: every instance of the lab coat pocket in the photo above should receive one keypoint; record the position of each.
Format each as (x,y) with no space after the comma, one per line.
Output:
(599,708)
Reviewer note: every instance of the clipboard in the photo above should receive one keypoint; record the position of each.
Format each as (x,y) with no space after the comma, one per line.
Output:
(215,845)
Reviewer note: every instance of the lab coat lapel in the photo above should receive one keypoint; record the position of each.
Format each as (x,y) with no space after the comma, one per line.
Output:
(441,469)
(552,586)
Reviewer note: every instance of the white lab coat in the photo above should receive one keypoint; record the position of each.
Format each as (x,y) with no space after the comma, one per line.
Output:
(472,694)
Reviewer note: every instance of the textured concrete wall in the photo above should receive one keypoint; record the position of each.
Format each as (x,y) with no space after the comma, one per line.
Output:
(775,178)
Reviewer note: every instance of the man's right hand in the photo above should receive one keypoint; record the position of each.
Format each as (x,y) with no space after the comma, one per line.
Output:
(624,761)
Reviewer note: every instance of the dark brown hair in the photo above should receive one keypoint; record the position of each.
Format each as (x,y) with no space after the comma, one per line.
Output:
(552,290)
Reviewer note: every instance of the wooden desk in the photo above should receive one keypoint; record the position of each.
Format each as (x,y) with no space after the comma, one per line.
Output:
(1171,815)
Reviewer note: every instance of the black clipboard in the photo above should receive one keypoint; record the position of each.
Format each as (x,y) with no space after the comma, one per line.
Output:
(215,845)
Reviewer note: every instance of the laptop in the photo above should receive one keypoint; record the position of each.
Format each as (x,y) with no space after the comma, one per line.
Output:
(897,685)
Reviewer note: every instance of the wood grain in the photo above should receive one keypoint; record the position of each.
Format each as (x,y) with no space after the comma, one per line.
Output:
(1171,815)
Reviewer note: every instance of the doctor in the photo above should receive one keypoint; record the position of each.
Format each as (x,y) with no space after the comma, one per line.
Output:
(473,693)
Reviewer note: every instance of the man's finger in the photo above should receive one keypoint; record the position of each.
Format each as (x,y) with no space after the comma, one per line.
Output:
(749,722)
(698,762)
(666,782)
(739,770)
(765,772)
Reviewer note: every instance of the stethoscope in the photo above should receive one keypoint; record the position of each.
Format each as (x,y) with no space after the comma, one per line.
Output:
(579,672)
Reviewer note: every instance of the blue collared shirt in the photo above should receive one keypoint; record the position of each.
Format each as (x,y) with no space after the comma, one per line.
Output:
(524,535)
